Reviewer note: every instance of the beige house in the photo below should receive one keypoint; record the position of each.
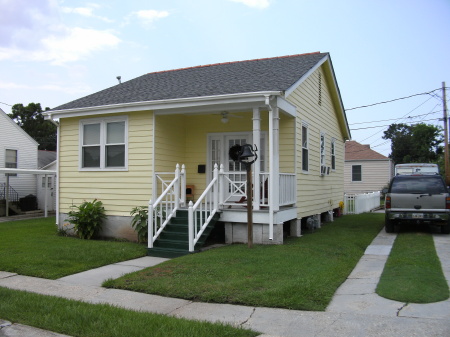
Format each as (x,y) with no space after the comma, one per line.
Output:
(143,141)
(365,169)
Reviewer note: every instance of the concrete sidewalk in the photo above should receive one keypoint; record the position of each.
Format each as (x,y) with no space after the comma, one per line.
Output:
(354,311)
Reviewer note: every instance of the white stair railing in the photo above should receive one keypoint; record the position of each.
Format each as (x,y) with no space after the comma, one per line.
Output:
(164,208)
(202,212)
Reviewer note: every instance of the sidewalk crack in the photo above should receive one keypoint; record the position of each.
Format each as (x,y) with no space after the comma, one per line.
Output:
(249,317)
(401,308)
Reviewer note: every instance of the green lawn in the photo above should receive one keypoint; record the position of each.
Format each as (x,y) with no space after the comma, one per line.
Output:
(76,318)
(33,248)
(413,272)
(302,274)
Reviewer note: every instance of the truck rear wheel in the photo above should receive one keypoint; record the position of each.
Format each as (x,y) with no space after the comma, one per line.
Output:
(388,225)
(445,229)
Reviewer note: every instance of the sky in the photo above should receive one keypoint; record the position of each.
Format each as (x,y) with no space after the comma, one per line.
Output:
(55,51)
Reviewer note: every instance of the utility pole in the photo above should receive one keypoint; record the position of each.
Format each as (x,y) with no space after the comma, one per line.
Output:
(446,150)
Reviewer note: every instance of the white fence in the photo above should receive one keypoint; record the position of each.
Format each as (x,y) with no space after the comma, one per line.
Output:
(360,203)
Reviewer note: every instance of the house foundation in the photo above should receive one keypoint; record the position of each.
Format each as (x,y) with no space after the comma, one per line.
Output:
(113,227)
(238,233)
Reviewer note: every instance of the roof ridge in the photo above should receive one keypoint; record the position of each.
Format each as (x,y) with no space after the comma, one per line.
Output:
(221,63)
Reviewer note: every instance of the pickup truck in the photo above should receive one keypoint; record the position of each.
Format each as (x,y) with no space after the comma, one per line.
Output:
(422,198)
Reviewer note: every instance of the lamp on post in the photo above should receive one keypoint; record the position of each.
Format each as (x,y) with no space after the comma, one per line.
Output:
(248,156)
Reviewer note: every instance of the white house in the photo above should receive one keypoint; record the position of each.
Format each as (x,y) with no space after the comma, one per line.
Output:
(365,169)
(17,150)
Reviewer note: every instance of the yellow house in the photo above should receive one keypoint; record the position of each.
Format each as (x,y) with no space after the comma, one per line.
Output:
(148,140)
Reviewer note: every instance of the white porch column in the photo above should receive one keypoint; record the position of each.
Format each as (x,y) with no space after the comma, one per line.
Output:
(257,165)
(274,158)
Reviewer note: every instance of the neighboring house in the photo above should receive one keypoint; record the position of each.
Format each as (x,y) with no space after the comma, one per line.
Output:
(365,169)
(46,183)
(17,150)
(116,144)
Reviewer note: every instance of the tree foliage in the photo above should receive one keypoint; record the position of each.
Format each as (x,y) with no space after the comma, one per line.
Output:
(30,119)
(419,143)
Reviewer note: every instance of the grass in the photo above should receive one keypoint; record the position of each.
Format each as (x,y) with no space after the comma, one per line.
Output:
(302,274)
(76,318)
(33,248)
(413,272)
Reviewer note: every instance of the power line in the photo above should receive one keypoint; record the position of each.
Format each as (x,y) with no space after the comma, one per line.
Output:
(393,119)
(400,118)
(5,104)
(382,126)
(396,99)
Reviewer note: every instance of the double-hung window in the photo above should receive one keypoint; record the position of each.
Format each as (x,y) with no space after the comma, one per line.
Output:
(356,173)
(11,160)
(333,154)
(103,144)
(305,148)
(322,150)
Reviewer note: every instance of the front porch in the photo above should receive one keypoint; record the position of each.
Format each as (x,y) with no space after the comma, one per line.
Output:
(217,203)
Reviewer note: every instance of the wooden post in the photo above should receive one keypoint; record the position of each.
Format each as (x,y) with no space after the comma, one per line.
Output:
(446,149)
(249,206)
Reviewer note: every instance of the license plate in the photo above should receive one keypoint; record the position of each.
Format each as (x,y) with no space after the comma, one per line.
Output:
(417,215)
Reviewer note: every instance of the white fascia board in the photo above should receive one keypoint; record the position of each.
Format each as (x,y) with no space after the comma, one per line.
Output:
(25,171)
(19,128)
(304,77)
(178,103)
(286,106)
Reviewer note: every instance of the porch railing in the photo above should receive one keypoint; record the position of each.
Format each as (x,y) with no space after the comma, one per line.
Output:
(234,188)
(201,213)
(360,203)
(12,194)
(287,185)
(164,208)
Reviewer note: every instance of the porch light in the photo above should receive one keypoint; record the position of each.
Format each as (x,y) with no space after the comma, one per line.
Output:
(224,118)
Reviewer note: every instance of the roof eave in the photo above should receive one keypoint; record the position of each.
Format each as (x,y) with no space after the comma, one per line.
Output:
(167,104)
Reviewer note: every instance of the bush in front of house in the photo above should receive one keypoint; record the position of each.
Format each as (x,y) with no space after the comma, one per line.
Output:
(139,222)
(87,219)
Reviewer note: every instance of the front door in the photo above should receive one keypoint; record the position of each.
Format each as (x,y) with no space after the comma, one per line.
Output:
(219,146)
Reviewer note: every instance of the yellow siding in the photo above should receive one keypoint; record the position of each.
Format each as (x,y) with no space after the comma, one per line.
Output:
(317,194)
(119,191)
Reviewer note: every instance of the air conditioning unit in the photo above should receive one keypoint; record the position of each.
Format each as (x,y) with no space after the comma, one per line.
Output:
(323,170)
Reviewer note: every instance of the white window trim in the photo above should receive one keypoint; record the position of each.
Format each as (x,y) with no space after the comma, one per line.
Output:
(357,181)
(11,175)
(306,126)
(333,154)
(322,156)
(102,122)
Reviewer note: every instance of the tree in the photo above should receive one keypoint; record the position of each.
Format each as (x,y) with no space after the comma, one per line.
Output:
(30,119)
(419,143)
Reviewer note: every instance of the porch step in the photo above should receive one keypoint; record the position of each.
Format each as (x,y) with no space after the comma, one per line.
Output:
(174,240)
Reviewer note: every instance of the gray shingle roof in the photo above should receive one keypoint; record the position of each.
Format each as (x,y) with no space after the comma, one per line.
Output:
(45,158)
(270,74)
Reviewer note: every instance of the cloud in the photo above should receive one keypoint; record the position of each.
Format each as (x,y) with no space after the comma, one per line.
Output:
(146,16)
(260,4)
(32,31)
(85,11)
(77,43)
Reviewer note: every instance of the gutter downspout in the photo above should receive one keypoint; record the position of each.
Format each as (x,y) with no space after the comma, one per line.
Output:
(58,138)
(271,166)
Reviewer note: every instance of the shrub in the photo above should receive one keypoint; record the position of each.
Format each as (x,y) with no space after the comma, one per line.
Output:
(140,222)
(87,219)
